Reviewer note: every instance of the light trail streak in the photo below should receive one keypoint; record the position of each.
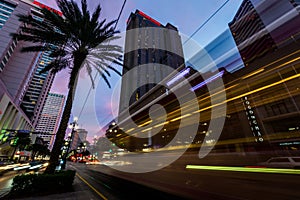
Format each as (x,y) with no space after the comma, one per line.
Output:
(244,169)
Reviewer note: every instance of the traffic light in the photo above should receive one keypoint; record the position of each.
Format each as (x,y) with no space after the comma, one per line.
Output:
(3,131)
(3,136)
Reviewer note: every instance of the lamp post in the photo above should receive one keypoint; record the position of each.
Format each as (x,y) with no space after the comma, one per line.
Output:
(94,147)
(83,149)
(95,140)
(73,125)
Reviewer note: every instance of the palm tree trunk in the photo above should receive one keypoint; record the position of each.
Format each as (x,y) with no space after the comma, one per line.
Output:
(60,135)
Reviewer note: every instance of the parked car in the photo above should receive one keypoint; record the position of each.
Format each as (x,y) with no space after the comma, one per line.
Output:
(282,162)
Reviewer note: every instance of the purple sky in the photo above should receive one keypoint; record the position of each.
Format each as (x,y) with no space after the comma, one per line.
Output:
(187,16)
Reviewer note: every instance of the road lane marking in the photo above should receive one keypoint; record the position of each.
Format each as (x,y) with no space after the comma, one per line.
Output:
(95,190)
(245,169)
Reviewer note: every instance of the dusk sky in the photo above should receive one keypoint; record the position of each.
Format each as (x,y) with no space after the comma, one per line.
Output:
(187,16)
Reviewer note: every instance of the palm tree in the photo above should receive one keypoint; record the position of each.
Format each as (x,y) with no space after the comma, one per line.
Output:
(76,39)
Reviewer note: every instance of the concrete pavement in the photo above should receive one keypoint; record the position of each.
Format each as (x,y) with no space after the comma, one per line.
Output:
(81,192)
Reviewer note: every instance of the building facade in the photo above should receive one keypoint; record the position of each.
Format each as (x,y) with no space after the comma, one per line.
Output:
(35,94)
(15,67)
(79,136)
(82,134)
(257,32)
(261,80)
(28,88)
(272,64)
(18,70)
(50,117)
(149,47)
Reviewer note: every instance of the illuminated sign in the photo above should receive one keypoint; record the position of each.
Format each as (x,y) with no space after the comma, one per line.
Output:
(149,18)
(42,5)
(252,120)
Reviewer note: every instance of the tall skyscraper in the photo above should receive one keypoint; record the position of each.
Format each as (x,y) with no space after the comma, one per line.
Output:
(15,67)
(35,93)
(19,78)
(50,117)
(155,43)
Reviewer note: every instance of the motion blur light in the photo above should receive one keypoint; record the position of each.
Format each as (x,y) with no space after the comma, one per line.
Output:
(218,75)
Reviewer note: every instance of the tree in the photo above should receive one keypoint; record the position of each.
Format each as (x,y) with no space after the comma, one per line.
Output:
(38,149)
(34,148)
(20,141)
(76,39)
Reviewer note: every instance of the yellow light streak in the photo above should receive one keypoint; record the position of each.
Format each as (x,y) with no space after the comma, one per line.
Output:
(147,129)
(278,60)
(161,124)
(253,73)
(251,92)
(264,87)
(128,131)
(146,123)
(181,117)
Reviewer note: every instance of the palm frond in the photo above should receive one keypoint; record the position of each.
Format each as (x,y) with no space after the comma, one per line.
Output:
(76,30)
(35,48)
(85,12)
(89,71)
(55,66)
(96,15)
(105,79)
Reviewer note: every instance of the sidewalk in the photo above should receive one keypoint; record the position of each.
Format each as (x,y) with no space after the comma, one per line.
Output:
(81,192)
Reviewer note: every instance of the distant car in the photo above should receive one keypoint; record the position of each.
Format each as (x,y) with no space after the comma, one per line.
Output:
(34,163)
(282,162)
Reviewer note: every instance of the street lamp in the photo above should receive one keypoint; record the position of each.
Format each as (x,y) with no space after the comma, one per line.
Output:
(95,139)
(73,125)
(83,149)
